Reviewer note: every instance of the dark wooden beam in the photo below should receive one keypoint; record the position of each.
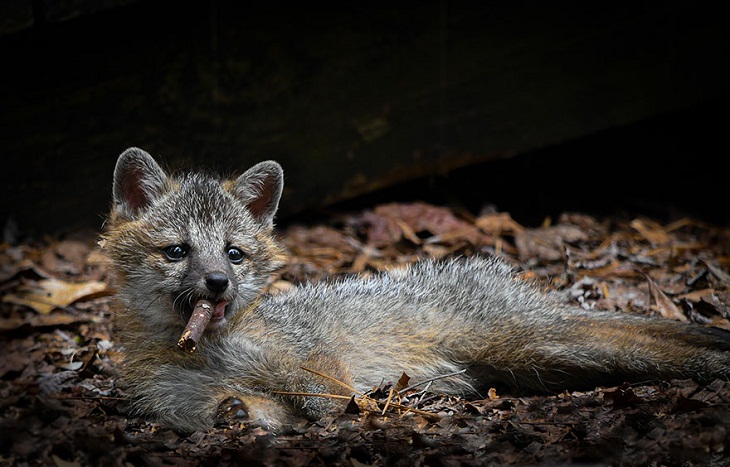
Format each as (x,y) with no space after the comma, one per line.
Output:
(348,98)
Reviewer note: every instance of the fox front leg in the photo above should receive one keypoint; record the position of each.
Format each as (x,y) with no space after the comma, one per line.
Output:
(256,410)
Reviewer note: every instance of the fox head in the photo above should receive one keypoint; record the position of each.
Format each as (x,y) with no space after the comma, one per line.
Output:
(174,239)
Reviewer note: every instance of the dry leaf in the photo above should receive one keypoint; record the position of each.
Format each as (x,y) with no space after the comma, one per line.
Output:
(394,391)
(651,231)
(63,463)
(47,294)
(389,223)
(402,382)
(498,223)
(546,243)
(696,295)
(664,304)
(721,275)
(68,256)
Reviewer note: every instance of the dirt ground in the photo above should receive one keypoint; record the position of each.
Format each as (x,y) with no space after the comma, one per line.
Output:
(62,404)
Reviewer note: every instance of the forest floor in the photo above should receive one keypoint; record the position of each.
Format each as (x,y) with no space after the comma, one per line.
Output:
(61,402)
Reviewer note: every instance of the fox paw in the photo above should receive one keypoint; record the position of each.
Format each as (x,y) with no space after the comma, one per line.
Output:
(254,410)
(230,410)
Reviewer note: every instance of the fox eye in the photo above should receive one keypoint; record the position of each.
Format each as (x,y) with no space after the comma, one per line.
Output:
(235,255)
(175,252)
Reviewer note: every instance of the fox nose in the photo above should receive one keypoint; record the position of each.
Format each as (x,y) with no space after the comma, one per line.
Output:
(216,281)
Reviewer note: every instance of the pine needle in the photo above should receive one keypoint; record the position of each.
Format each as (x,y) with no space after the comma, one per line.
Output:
(312,394)
(344,385)
(431,380)
(387,402)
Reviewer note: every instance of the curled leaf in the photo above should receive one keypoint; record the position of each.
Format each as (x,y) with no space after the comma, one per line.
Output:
(48,294)
(664,304)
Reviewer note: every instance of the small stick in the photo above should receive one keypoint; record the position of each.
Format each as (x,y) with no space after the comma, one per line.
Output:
(197,323)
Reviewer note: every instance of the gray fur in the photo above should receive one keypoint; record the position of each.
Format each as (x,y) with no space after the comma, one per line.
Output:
(260,188)
(138,180)
(429,319)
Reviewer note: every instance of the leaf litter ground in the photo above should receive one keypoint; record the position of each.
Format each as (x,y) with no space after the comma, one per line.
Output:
(63,405)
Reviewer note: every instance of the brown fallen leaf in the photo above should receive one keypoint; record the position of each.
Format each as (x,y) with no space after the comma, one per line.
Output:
(498,223)
(651,231)
(49,320)
(664,304)
(622,396)
(718,322)
(13,362)
(64,463)
(389,223)
(399,386)
(546,243)
(22,267)
(689,404)
(45,295)
(696,295)
(66,256)
(716,271)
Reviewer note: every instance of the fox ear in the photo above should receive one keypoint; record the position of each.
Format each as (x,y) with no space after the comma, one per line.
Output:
(138,180)
(260,188)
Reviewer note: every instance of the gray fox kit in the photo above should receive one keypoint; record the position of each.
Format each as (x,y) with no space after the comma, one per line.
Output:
(175,240)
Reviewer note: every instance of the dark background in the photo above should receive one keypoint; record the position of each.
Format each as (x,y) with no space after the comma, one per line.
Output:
(535,107)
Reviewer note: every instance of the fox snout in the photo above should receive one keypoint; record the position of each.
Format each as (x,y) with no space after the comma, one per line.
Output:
(213,286)
(216,281)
